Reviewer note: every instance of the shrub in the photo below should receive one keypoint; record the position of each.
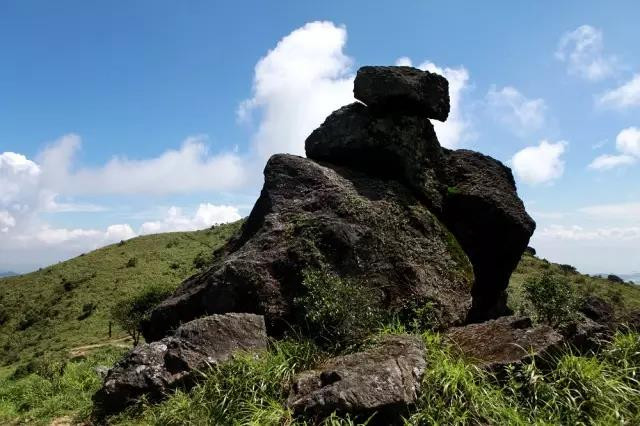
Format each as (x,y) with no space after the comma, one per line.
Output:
(4,315)
(614,278)
(130,313)
(202,260)
(568,269)
(87,310)
(552,299)
(132,262)
(337,311)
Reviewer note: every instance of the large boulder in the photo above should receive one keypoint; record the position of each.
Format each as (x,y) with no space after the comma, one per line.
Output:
(385,379)
(403,90)
(310,216)
(155,368)
(504,341)
(401,147)
(483,210)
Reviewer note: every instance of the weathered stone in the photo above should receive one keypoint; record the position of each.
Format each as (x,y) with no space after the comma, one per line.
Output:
(385,379)
(403,90)
(483,210)
(310,216)
(507,340)
(598,310)
(585,334)
(397,147)
(155,368)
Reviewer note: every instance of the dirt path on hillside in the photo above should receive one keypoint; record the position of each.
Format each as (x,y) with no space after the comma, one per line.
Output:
(80,351)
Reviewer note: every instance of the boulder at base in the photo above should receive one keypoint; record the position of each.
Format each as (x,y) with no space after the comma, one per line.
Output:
(310,217)
(385,379)
(153,369)
(504,341)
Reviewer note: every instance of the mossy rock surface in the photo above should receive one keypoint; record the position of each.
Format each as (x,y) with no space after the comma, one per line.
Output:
(315,216)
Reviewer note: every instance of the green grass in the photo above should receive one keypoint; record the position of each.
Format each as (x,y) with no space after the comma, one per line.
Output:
(41,397)
(42,325)
(624,297)
(43,309)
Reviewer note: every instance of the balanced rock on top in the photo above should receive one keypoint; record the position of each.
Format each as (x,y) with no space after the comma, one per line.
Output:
(407,90)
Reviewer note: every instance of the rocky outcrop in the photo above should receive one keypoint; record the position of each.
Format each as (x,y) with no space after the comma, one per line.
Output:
(153,369)
(400,147)
(378,201)
(483,210)
(310,216)
(385,380)
(403,91)
(507,340)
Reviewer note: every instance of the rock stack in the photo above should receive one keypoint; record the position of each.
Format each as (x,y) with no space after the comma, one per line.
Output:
(377,201)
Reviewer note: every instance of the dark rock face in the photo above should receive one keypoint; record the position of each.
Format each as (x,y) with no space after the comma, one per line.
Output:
(312,216)
(483,210)
(385,379)
(507,340)
(403,90)
(153,369)
(598,310)
(401,147)
(530,250)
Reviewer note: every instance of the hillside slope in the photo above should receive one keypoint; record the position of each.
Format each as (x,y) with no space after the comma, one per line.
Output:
(67,305)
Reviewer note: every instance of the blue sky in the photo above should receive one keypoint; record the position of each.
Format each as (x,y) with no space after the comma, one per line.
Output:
(124,118)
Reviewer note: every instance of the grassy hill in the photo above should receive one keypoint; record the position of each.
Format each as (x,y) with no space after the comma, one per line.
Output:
(67,305)
(62,312)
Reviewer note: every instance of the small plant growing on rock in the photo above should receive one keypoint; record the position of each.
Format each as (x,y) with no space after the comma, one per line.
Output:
(338,311)
(552,299)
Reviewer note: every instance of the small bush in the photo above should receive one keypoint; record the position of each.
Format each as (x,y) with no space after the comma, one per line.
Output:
(568,269)
(130,313)
(132,262)
(338,311)
(552,299)
(4,315)
(202,260)
(87,310)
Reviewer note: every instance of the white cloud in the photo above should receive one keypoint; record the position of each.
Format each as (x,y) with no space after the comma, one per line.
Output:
(206,216)
(578,233)
(540,164)
(453,132)
(583,51)
(628,141)
(625,96)
(187,169)
(615,212)
(6,221)
(628,146)
(607,161)
(518,112)
(296,85)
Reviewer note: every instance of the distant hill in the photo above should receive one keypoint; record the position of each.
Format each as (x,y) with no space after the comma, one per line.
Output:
(7,274)
(44,311)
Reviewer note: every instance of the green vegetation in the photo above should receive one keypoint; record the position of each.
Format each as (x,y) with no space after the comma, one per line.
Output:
(54,390)
(339,311)
(131,312)
(623,297)
(49,312)
(553,301)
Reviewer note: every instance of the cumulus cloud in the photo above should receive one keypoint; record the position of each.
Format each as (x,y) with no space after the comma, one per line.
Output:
(296,85)
(453,132)
(206,216)
(628,146)
(187,169)
(540,164)
(515,110)
(583,51)
(624,96)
